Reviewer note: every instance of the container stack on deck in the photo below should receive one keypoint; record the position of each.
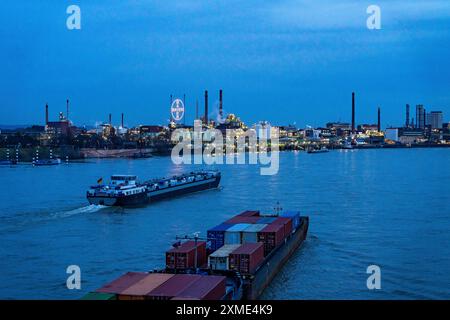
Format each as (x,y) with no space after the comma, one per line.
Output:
(183,256)
(161,286)
(272,236)
(249,227)
(247,257)
(242,244)
(252,227)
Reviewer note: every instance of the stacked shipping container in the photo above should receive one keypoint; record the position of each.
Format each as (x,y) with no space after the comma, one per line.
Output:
(206,288)
(216,235)
(247,257)
(162,286)
(173,287)
(139,290)
(219,260)
(234,234)
(266,220)
(250,213)
(247,226)
(272,236)
(295,216)
(250,234)
(242,219)
(122,282)
(183,257)
(286,223)
(240,244)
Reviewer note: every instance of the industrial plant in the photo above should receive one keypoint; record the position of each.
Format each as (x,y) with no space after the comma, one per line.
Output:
(67,140)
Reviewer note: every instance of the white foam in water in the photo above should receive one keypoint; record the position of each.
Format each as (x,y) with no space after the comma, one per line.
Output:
(36,218)
(88,209)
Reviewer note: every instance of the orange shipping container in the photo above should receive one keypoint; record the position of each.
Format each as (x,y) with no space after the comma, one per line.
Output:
(123,282)
(144,286)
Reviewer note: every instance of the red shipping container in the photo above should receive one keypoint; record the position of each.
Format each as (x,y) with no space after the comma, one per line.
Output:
(122,283)
(173,287)
(206,288)
(138,290)
(249,213)
(183,257)
(242,219)
(247,257)
(287,222)
(272,236)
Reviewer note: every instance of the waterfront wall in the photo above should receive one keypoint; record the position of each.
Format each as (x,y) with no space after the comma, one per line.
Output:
(113,153)
(27,154)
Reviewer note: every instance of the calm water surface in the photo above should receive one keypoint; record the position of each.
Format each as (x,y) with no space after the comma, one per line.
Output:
(383,207)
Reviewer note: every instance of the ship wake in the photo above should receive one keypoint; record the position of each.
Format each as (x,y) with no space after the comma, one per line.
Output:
(83,210)
(19,222)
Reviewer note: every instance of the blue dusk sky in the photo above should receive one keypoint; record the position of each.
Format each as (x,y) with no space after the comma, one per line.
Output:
(284,61)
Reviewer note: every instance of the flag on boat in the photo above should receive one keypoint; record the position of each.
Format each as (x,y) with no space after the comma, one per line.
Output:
(99,181)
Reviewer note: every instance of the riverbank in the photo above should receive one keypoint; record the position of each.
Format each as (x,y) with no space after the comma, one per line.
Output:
(27,155)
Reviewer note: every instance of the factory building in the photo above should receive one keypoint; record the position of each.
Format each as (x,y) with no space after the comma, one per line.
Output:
(62,127)
(420,116)
(434,119)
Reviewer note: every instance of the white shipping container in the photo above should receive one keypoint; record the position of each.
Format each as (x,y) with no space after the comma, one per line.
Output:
(250,234)
(219,260)
(233,235)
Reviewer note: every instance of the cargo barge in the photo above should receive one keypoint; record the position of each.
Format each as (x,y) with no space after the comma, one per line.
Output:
(236,261)
(125,190)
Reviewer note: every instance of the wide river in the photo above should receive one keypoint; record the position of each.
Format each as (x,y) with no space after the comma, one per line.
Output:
(389,208)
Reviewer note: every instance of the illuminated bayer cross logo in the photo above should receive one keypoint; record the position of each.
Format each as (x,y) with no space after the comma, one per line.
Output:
(177,110)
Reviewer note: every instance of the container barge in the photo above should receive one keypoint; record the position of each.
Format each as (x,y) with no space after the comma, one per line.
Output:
(125,190)
(236,261)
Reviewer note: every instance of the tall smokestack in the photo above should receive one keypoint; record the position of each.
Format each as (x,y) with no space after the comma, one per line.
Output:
(184,103)
(424,118)
(353,112)
(206,107)
(67,109)
(110,119)
(379,120)
(170,108)
(46,114)
(407,116)
(122,120)
(196,109)
(220,104)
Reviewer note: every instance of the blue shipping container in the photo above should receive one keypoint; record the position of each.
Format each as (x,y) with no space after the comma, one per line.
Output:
(266,220)
(294,215)
(217,235)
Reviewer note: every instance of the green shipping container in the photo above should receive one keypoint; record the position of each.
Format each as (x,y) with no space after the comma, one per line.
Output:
(99,296)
